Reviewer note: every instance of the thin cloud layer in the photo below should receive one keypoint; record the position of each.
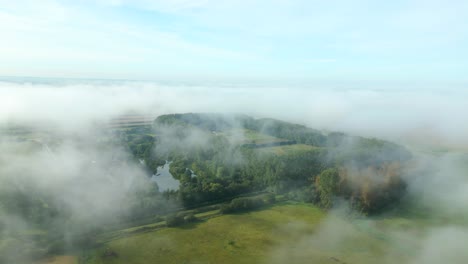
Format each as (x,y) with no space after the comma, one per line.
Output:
(365,40)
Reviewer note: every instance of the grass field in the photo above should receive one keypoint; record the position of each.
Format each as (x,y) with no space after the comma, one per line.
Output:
(246,136)
(285,233)
(288,149)
(60,260)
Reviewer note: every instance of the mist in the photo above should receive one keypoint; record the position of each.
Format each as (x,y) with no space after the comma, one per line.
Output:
(95,181)
(420,116)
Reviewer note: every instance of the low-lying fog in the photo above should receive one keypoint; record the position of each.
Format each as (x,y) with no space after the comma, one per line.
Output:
(430,122)
(431,116)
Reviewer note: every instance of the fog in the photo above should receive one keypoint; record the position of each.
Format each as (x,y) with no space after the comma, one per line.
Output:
(421,116)
(95,182)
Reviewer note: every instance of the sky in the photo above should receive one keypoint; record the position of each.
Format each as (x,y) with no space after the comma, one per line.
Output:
(361,40)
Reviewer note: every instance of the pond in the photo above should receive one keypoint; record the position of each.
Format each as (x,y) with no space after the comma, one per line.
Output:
(164,178)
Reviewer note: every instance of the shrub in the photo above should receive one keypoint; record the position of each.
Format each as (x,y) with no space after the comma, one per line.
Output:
(269,198)
(174,220)
(247,203)
(180,219)
(190,218)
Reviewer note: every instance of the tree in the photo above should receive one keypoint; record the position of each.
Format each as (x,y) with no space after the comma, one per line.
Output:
(327,186)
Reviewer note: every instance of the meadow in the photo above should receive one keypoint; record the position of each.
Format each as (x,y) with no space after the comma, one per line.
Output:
(288,232)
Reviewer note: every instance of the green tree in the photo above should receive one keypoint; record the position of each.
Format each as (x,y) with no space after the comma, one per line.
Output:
(327,186)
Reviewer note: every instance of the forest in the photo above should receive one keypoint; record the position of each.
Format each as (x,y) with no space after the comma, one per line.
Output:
(213,164)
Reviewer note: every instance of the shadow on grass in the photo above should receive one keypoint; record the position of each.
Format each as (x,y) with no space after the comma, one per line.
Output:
(191,225)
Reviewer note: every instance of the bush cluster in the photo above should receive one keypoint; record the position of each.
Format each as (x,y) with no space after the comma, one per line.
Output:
(247,203)
(180,219)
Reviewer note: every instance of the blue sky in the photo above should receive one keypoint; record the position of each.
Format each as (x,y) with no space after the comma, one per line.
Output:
(414,40)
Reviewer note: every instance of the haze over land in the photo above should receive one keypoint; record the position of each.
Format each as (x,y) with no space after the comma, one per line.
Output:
(431,116)
(429,122)
(225,131)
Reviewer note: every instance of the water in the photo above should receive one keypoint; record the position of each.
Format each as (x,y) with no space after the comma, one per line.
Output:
(164,178)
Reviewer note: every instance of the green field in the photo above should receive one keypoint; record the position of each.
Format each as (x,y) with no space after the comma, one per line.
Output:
(60,260)
(288,149)
(246,136)
(285,233)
